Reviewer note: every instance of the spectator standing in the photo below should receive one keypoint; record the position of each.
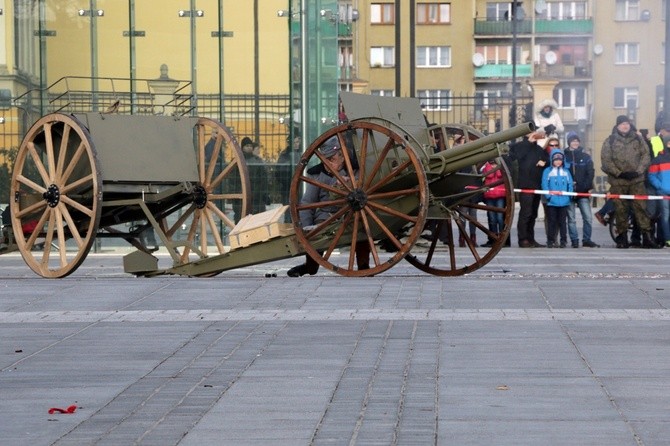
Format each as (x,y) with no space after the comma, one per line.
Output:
(580,165)
(625,159)
(494,196)
(531,160)
(258,178)
(285,164)
(659,177)
(556,178)
(548,121)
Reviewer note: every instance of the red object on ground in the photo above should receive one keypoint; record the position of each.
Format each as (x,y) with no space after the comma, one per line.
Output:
(70,409)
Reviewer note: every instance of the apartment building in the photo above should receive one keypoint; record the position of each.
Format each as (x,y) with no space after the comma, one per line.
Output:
(597,59)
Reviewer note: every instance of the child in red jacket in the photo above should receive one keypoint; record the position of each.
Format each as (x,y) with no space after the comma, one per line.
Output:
(494,197)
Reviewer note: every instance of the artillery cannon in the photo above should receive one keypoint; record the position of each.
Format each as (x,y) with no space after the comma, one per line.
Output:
(404,187)
(67,190)
(78,177)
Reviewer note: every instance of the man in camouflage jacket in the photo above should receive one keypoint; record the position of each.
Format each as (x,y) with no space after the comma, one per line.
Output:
(625,159)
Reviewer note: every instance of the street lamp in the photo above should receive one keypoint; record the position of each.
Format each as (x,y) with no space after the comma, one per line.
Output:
(192,14)
(93,12)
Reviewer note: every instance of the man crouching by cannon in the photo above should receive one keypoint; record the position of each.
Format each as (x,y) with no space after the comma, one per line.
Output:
(332,152)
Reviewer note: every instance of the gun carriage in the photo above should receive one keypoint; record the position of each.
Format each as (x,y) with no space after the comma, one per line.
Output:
(78,177)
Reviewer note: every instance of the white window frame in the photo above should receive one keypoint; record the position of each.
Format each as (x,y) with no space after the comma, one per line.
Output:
(494,52)
(382,13)
(433,56)
(434,99)
(622,95)
(382,56)
(500,11)
(570,102)
(433,13)
(627,53)
(627,10)
(390,93)
(567,10)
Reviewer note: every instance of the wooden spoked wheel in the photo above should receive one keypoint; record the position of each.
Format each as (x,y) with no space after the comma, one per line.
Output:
(222,196)
(447,247)
(55,195)
(387,195)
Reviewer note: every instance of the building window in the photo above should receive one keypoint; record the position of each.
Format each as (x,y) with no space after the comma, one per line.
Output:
(433,56)
(627,10)
(564,11)
(627,53)
(382,56)
(389,93)
(626,97)
(570,97)
(496,11)
(435,99)
(501,54)
(382,14)
(433,13)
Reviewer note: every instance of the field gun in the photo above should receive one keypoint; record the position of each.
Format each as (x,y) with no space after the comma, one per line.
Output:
(403,189)
(407,189)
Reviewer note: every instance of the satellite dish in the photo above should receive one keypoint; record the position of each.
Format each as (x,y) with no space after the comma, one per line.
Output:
(550,57)
(540,6)
(598,49)
(478,59)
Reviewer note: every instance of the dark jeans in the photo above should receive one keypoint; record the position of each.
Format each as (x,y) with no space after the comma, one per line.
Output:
(556,221)
(528,206)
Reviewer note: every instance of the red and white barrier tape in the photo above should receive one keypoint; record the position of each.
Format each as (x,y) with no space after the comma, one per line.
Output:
(587,194)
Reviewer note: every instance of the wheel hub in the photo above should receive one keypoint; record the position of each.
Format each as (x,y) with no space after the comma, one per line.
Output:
(200,197)
(52,196)
(357,199)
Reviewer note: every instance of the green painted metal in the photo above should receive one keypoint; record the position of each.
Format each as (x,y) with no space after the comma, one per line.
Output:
(143,149)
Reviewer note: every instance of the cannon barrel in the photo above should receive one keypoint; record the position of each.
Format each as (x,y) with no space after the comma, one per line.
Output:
(474,152)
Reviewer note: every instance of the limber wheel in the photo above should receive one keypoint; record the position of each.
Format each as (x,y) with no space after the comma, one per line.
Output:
(55,195)
(223,187)
(388,193)
(447,248)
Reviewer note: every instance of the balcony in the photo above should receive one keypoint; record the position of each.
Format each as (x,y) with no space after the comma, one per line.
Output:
(485,27)
(502,71)
(572,27)
(580,70)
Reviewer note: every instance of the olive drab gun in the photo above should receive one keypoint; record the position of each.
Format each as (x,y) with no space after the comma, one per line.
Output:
(84,176)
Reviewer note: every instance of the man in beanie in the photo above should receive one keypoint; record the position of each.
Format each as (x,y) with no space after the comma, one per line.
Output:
(331,150)
(625,159)
(580,165)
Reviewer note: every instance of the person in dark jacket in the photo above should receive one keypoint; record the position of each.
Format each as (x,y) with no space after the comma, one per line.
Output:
(531,160)
(659,177)
(285,165)
(323,174)
(580,165)
(625,159)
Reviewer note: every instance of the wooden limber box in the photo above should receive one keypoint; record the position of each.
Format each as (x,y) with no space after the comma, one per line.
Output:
(256,228)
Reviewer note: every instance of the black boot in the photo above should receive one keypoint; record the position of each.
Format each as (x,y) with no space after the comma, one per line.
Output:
(297,271)
(622,241)
(648,241)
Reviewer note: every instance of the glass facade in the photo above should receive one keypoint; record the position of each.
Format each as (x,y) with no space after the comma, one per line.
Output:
(264,72)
